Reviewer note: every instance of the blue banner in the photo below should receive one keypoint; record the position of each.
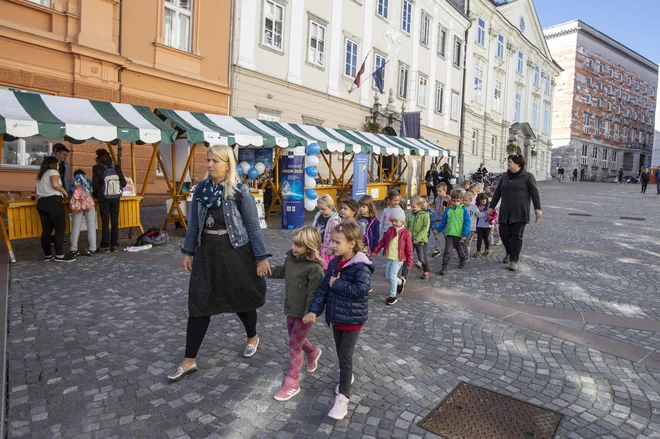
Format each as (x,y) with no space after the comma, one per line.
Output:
(292,187)
(360,175)
(257,155)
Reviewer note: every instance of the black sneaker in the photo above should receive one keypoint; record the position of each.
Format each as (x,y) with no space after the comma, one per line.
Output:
(73,253)
(399,289)
(103,250)
(443,270)
(435,254)
(48,258)
(114,249)
(462,264)
(67,258)
(87,252)
(391,300)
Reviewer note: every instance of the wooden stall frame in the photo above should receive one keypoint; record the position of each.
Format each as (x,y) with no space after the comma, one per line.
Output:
(176,188)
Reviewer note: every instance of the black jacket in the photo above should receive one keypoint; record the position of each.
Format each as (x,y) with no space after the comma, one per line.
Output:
(98,174)
(515,191)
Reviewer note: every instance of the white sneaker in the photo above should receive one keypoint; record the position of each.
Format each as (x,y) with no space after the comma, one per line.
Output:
(340,409)
(337,388)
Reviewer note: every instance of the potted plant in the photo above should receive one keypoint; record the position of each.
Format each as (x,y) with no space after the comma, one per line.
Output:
(373,127)
(534,153)
(512,148)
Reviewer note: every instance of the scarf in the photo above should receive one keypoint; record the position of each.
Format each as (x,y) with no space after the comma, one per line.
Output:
(513,175)
(209,195)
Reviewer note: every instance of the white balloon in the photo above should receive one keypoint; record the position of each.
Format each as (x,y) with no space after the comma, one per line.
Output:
(310,183)
(310,205)
(260,167)
(311,160)
(246,166)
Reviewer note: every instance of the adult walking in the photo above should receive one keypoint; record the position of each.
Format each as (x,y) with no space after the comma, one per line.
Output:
(431,179)
(644,178)
(619,176)
(657,179)
(575,174)
(446,175)
(515,189)
(560,174)
(225,252)
(107,185)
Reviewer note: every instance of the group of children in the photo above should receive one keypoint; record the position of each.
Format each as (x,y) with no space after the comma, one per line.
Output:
(329,269)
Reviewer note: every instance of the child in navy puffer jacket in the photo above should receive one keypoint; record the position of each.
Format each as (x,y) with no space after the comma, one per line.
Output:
(344,294)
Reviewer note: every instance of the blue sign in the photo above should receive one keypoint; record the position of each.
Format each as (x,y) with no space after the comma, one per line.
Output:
(292,189)
(360,175)
(256,155)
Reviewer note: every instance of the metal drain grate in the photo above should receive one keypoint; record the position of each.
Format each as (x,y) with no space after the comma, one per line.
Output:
(470,412)
(579,214)
(634,218)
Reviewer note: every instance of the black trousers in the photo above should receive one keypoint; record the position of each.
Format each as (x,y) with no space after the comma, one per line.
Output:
(109,219)
(644,185)
(483,234)
(432,190)
(420,248)
(53,217)
(512,239)
(453,242)
(197,327)
(345,342)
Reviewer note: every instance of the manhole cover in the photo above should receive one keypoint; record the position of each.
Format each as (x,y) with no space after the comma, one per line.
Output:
(634,218)
(579,214)
(470,412)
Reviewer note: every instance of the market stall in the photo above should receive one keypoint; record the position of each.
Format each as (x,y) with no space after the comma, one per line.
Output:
(33,116)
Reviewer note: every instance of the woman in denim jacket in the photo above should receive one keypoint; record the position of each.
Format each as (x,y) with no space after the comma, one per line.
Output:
(225,252)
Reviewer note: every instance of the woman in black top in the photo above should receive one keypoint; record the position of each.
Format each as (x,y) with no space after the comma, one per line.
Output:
(515,189)
(446,175)
(432,181)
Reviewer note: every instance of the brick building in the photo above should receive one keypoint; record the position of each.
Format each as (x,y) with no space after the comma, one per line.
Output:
(604,103)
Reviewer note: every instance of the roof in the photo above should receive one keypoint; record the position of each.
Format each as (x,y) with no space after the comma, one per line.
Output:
(24,115)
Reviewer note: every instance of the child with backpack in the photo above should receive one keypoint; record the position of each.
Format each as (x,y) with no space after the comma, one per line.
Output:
(82,206)
(107,185)
(344,294)
(302,272)
(325,220)
(368,222)
(455,224)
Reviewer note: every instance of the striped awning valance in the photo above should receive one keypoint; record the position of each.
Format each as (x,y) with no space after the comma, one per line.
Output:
(24,115)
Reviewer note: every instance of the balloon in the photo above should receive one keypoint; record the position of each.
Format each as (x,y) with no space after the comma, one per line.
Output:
(239,170)
(311,171)
(253,173)
(311,160)
(251,164)
(311,194)
(310,183)
(245,165)
(260,167)
(310,205)
(313,148)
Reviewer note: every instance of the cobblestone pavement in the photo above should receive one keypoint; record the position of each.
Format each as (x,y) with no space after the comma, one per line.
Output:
(90,343)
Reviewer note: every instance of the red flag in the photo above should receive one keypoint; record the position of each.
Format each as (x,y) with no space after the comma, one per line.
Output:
(359,74)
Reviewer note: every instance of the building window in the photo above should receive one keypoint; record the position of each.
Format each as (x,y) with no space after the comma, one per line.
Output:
(609,106)
(644,89)
(316,53)
(455,105)
(481,32)
(606,130)
(423,91)
(268,117)
(620,77)
(493,147)
(600,68)
(589,82)
(614,156)
(637,85)
(350,68)
(516,113)
(618,93)
(442,41)
(604,154)
(600,85)
(25,153)
(611,73)
(497,102)
(475,142)
(383,8)
(594,153)
(537,76)
(598,102)
(587,99)
(439,97)
(609,89)
(547,84)
(478,84)
(41,2)
(535,115)
(521,60)
(402,81)
(500,46)
(591,64)
(379,61)
(627,112)
(627,97)
(585,151)
(178,24)
(406,16)
(618,109)
(546,119)
(597,125)
(425,32)
(629,81)
(587,123)
(458,52)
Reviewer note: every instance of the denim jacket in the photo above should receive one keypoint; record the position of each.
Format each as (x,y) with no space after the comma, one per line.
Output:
(242,223)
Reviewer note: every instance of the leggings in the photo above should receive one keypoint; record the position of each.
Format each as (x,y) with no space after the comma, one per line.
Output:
(345,342)
(483,233)
(197,327)
(420,248)
(297,344)
(53,217)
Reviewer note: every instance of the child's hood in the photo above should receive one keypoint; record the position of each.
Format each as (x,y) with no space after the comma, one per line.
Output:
(361,258)
(304,258)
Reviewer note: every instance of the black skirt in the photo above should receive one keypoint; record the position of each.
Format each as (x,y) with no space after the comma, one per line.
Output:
(224,279)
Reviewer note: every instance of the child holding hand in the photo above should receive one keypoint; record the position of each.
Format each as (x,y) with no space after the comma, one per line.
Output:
(397,247)
(325,220)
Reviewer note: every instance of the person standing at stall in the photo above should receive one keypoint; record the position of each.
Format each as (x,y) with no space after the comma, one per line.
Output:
(107,185)
(61,153)
(446,176)
(431,179)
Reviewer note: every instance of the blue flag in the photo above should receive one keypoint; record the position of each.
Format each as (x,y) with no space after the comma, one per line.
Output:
(378,76)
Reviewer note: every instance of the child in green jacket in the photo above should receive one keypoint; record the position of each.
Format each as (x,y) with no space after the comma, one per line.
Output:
(419,222)
(455,224)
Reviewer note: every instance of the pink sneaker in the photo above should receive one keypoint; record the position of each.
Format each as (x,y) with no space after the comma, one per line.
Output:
(290,388)
(313,361)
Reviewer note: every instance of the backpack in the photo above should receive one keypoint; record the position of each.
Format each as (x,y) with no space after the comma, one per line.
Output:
(153,236)
(111,185)
(81,200)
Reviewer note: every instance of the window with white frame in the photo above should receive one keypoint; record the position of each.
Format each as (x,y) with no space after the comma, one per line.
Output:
(611,73)
(585,150)
(481,32)
(620,77)
(41,2)
(586,123)
(478,83)
(644,89)
(493,147)
(422,91)
(535,114)
(537,76)
(598,102)
(606,129)
(425,31)
(637,85)
(475,142)
(439,97)
(642,118)
(350,65)
(455,106)
(177,27)
(521,61)
(591,63)
(643,103)
(614,156)
(587,99)
(518,107)
(600,85)
(268,117)
(594,153)
(629,81)
(618,93)
(618,109)
(383,8)
(497,101)
(597,125)
(402,81)
(616,132)
(273,26)
(547,84)
(406,16)
(442,41)
(589,82)
(604,153)
(609,106)
(600,68)
(635,101)
(546,119)
(316,53)
(379,61)
(458,52)
(627,97)
(609,89)
(500,46)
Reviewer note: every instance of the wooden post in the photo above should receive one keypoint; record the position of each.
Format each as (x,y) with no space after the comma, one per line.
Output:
(178,188)
(173,148)
(154,156)
(112,153)
(1,142)
(133,166)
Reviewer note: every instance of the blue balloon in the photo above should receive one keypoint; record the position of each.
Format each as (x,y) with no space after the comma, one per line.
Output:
(311,194)
(253,173)
(313,148)
(312,171)
(239,170)
(252,164)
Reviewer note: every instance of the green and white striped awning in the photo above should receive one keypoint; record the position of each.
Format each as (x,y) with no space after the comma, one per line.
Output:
(25,115)
(225,130)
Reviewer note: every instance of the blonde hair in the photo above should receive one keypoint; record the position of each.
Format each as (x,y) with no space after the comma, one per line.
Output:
(310,238)
(473,187)
(327,200)
(226,154)
(416,200)
(351,232)
(468,195)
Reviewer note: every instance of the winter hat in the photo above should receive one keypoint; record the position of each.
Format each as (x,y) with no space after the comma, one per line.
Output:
(397,214)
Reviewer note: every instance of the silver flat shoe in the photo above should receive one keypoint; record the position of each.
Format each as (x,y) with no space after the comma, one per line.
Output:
(181,372)
(251,349)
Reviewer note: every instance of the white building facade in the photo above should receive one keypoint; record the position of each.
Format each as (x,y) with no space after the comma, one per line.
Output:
(509,88)
(295,61)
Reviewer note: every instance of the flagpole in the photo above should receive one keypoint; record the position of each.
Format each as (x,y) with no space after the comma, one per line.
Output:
(372,75)
(350,90)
